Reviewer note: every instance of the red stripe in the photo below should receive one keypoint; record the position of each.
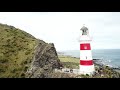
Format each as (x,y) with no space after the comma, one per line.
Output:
(84,62)
(85,46)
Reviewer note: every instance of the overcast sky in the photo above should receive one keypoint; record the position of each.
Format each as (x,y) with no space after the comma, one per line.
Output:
(63,28)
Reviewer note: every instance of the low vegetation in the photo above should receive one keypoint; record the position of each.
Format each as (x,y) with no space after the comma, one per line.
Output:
(69,62)
(16,51)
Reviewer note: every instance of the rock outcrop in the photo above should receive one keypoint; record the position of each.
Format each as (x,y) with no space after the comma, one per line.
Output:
(44,61)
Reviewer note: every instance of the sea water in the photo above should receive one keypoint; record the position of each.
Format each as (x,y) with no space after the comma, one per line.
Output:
(109,57)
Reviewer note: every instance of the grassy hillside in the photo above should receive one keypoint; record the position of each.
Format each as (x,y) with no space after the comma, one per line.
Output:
(69,62)
(16,51)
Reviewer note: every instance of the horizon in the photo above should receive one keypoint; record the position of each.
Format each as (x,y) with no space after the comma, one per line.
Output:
(63,28)
(91,50)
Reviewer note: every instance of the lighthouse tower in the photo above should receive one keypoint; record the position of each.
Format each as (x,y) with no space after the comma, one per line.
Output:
(86,62)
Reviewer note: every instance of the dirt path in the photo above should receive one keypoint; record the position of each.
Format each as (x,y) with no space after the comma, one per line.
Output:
(67,70)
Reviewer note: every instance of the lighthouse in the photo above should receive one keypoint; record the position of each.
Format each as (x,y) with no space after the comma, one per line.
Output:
(86,62)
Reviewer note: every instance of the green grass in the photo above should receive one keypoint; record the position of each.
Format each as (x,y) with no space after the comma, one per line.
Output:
(69,62)
(16,51)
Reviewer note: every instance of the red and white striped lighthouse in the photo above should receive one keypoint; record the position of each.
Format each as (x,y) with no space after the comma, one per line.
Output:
(86,62)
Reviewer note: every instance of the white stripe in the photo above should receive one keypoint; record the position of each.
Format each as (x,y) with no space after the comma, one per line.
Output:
(84,41)
(85,55)
(86,69)
(85,37)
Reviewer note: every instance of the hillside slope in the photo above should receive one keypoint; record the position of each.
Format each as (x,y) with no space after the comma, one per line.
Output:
(20,51)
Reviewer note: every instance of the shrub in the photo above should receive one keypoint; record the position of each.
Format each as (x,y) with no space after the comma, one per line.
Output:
(22,75)
(2,70)
(25,69)
(3,60)
(14,70)
(87,74)
(27,52)
(25,62)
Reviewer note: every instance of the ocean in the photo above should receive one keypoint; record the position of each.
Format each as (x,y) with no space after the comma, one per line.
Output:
(109,57)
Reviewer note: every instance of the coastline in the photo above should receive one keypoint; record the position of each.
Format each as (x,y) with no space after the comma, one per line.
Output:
(101,70)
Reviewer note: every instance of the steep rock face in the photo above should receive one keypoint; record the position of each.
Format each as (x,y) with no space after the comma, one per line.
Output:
(44,61)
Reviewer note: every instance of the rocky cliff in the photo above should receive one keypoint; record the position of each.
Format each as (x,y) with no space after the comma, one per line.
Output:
(44,61)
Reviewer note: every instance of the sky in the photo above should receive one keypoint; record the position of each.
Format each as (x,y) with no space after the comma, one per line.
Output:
(63,28)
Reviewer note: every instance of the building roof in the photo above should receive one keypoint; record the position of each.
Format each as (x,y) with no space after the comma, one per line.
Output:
(84,28)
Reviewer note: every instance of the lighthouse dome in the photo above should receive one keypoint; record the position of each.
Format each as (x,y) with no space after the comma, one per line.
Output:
(84,28)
